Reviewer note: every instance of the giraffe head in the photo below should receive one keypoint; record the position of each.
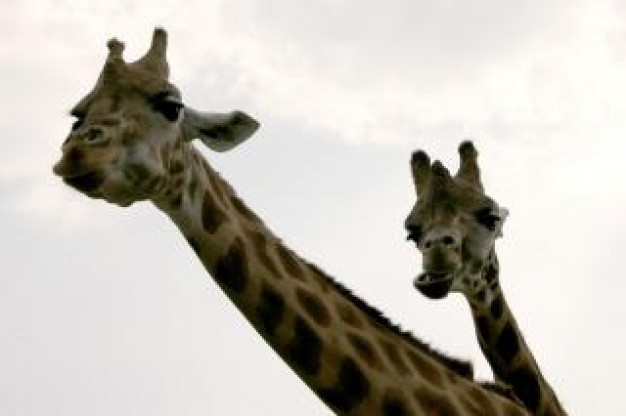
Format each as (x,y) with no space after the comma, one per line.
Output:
(453,223)
(129,127)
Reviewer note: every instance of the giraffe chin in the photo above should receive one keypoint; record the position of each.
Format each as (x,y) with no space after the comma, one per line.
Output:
(434,285)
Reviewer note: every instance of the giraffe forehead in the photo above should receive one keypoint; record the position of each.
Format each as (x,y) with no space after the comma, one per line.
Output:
(128,86)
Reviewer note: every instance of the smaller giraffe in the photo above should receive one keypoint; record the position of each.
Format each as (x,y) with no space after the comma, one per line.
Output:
(455,225)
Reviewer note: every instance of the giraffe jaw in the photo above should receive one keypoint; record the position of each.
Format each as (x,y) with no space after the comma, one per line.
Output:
(434,285)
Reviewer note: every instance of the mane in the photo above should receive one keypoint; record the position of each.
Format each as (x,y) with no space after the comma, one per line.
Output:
(461,367)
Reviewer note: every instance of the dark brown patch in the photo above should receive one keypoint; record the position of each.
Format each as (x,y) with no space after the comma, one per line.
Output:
(212,215)
(259,240)
(435,403)
(270,309)
(231,270)
(176,166)
(394,405)
(305,349)
(243,209)
(508,343)
(349,316)
(314,307)
(177,201)
(365,350)
(350,389)
(288,259)
(136,173)
(425,369)
(526,387)
(497,307)
(483,328)
(394,357)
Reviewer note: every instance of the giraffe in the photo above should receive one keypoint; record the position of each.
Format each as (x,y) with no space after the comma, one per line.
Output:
(455,226)
(131,142)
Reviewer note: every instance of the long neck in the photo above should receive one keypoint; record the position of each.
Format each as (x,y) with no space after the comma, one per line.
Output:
(350,356)
(504,346)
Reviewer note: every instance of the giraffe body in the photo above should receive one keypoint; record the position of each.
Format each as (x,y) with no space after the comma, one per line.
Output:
(132,143)
(455,226)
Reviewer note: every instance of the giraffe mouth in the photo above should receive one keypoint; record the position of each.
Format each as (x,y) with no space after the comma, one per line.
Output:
(434,285)
(85,183)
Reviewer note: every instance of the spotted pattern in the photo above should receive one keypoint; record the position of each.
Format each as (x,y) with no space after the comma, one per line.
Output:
(435,403)
(349,390)
(288,259)
(243,209)
(497,307)
(231,270)
(507,345)
(349,316)
(394,357)
(426,369)
(212,215)
(365,350)
(526,386)
(314,307)
(259,241)
(305,349)
(270,309)
(394,405)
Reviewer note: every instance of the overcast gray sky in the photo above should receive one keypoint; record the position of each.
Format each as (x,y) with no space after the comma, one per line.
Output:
(106,311)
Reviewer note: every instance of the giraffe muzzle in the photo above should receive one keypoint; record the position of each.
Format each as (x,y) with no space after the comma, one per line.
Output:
(434,285)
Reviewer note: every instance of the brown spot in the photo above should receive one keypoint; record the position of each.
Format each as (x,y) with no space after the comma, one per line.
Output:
(425,368)
(497,307)
(434,403)
(314,307)
(270,309)
(525,384)
(350,389)
(176,166)
(231,270)
(177,201)
(508,343)
(394,357)
(243,209)
(212,215)
(260,243)
(288,259)
(348,315)
(305,349)
(365,350)
(394,405)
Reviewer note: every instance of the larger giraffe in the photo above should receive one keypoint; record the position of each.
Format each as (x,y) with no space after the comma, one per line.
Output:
(455,226)
(132,142)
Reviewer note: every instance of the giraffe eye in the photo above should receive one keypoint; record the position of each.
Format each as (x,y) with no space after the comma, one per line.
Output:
(487,219)
(167,106)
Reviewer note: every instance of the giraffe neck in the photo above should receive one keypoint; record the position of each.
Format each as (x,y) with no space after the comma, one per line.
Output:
(347,353)
(504,346)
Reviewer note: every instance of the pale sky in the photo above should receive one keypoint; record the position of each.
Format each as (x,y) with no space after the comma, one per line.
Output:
(107,311)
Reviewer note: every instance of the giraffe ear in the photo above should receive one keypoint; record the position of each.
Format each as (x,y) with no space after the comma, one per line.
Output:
(219,131)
